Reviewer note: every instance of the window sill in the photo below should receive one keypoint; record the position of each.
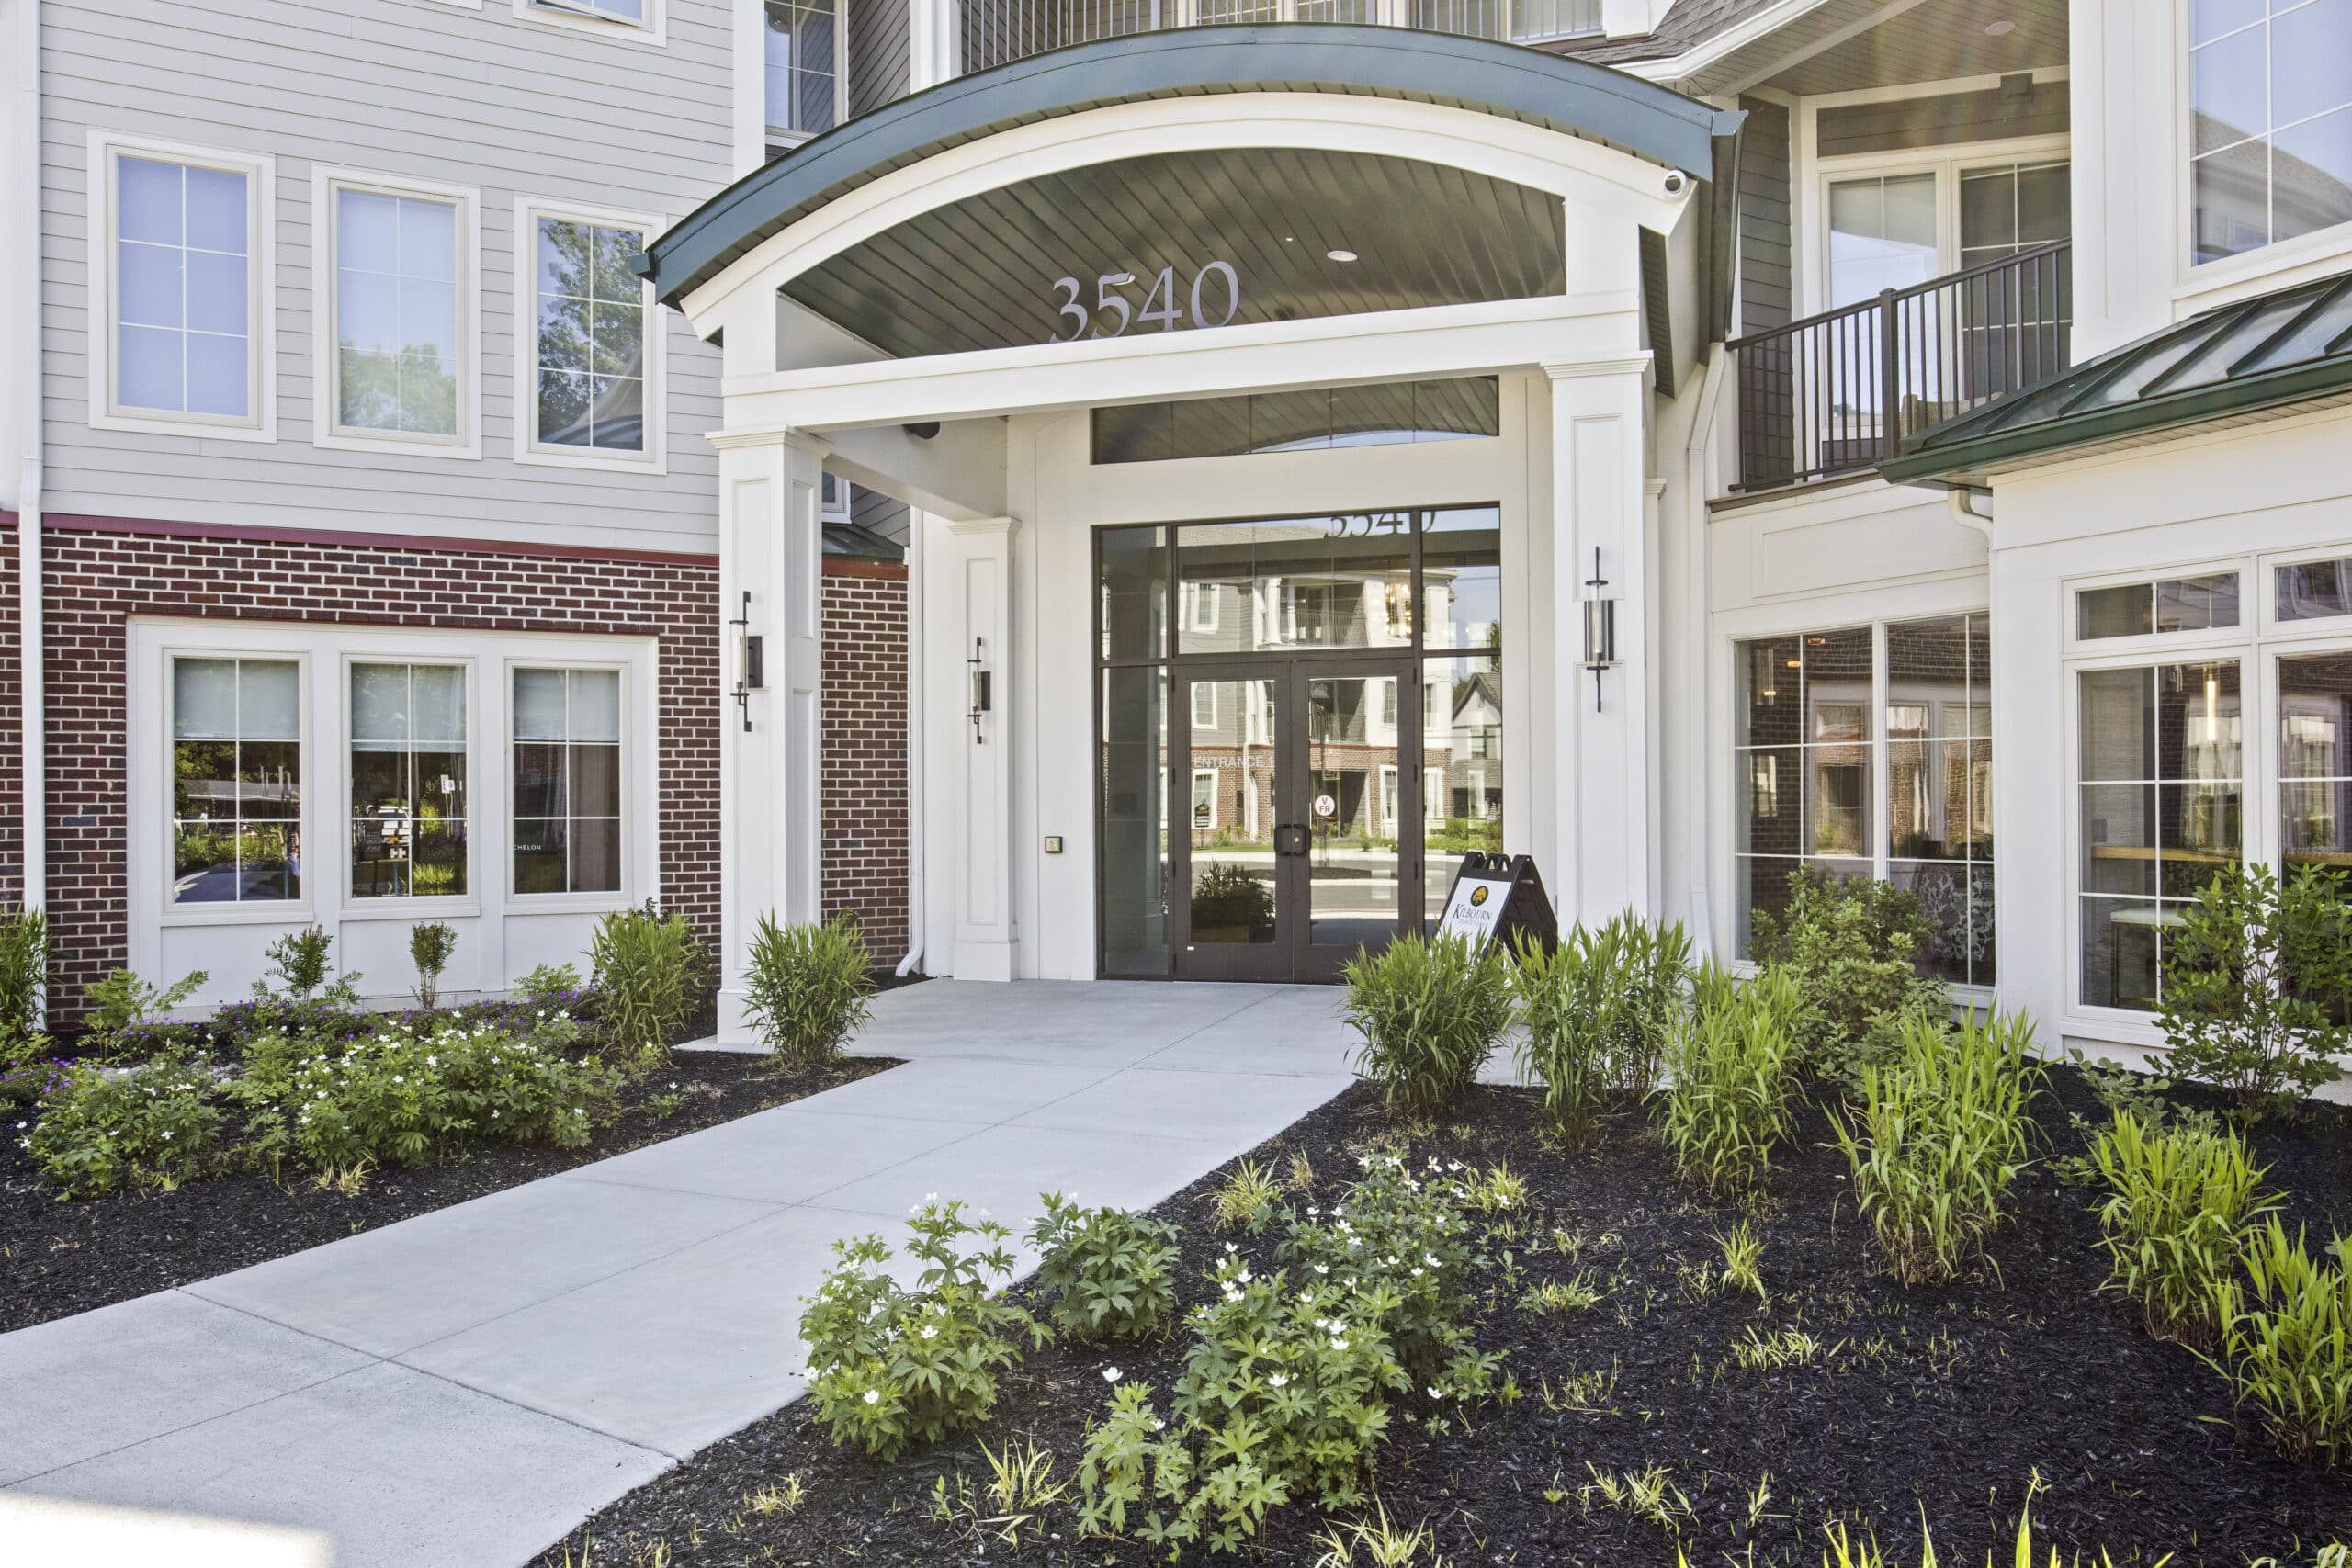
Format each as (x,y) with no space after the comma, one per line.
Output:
(2281,265)
(196,429)
(652,32)
(461,906)
(394,444)
(554,457)
(294,911)
(568,903)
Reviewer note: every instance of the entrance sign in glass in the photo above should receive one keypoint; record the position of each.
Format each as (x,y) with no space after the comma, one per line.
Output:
(1338,743)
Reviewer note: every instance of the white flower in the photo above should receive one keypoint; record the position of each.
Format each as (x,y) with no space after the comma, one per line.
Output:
(930,1197)
(1230,1248)
(930,1332)
(1312,1212)
(1245,1276)
(1158,1425)
(1434,1393)
(1430,1258)
(1112,1374)
(20,1126)
(493,1115)
(1322,1268)
(1277,1381)
(1417,1273)
(1231,1295)
(873,1396)
(167,1137)
(1339,1344)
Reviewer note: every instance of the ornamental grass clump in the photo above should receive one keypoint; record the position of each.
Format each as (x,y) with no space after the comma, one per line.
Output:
(1598,1010)
(892,1367)
(1431,1012)
(1939,1137)
(2286,1343)
(2182,1201)
(805,988)
(1725,1103)
(1112,1272)
(642,960)
(1293,1377)
(143,1129)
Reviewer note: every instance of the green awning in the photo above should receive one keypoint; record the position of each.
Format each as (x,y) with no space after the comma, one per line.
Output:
(2264,357)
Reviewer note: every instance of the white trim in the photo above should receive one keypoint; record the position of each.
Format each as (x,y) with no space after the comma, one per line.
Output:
(639,761)
(261,258)
(655,457)
(324,433)
(1200,689)
(2154,644)
(653,32)
(414,907)
(786,136)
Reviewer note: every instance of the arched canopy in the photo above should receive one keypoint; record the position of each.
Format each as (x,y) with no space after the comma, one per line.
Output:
(1514,83)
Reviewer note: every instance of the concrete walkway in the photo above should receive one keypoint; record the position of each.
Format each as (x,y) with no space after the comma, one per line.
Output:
(464,1387)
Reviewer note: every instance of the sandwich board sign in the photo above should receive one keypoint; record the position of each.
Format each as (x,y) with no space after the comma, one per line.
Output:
(1499,898)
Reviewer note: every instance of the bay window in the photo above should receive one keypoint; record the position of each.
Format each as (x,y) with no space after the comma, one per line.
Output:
(2270,122)
(1866,751)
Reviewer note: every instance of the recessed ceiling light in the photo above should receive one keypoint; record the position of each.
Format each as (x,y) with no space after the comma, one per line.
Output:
(1340,255)
(2002,29)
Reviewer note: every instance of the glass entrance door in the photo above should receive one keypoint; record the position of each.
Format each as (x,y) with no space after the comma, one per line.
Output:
(1302,786)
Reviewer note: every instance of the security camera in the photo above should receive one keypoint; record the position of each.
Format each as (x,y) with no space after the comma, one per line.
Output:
(1675,182)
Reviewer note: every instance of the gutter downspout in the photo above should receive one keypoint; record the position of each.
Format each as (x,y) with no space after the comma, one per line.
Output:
(1695,486)
(1960,506)
(32,683)
(918,524)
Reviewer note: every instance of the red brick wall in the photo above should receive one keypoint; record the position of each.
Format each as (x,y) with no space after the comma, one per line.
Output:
(97,574)
(866,749)
(12,756)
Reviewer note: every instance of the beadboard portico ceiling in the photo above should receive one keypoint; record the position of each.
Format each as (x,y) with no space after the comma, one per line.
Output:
(1305,231)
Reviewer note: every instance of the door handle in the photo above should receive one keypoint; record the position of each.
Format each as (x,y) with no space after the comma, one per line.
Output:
(1290,839)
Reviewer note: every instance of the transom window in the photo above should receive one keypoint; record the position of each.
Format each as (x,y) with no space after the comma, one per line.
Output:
(2141,609)
(1387,414)
(187,289)
(1868,752)
(590,334)
(2315,590)
(2270,122)
(236,780)
(567,780)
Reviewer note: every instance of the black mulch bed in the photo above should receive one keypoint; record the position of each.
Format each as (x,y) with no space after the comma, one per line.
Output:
(62,1257)
(1946,1399)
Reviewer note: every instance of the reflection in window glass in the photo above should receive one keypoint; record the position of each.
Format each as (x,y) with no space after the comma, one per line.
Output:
(2161,768)
(2317,590)
(1462,753)
(182,289)
(2315,761)
(1940,787)
(236,780)
(1303,582)
(1462,556)
(1135,838)
(408,781)
(396,314)
(567,780)
(591,338)
(2174,604)
(1881,235)
(2270,122)
(1387,414)
(1133,586)
(1805,763)
(801,66)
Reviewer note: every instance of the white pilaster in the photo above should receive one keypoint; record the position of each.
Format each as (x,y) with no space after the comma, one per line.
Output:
(1599,502)
(971,597)
(934,42)
(770,547)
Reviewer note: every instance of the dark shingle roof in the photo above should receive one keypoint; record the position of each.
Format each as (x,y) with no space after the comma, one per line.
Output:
(2263,355)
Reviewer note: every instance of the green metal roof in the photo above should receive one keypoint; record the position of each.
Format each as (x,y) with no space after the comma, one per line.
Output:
(2263,355)
(1509,79)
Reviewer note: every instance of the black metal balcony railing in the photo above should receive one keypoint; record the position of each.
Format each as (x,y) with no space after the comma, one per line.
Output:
(1839,392)
(996,32)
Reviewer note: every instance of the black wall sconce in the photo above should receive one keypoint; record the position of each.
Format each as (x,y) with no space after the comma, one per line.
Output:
(1600,627)
(980,692)
(748,659)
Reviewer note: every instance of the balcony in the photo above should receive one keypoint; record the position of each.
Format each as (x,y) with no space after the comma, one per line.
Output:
(997,32)
(1839,392)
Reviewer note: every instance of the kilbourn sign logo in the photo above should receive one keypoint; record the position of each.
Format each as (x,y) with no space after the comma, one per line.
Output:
(1477,895)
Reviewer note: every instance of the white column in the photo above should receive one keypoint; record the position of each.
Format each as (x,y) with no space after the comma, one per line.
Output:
(770,785)
(1599,502)
(971,598)
(934,42)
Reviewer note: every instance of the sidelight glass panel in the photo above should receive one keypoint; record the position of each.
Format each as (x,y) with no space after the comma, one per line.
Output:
(1462,769)
(1462,557)
(1134,589)
(1135,821)
(1352,755)
(1231,801)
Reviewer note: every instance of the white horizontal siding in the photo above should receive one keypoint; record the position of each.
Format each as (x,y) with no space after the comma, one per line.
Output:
(521,109)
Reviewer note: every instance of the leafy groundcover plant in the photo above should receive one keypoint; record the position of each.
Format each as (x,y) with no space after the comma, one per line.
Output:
(1939,1138)
(892,1367)
(1597,1009)
(1292,1377)
(1431,1013)
(806,987)
(2182,1201)
(140,1129)
(1112,1272)
(1726,1100)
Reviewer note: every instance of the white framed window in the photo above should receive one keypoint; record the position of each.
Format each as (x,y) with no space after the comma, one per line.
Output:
(806,68)
(1203,799)
(1201,606)
(410,757)
(182,297)
(1896,220)
(1434,795)
(236,780)
(1391,803)
(2269,95)
(627,22)
(588,364)
(396,361)
(1204,707)
(569,791)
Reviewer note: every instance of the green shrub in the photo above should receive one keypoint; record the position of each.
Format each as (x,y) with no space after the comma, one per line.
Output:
(806,987)
(430,943)
(2256,979)
(892,1367)
(122,999)
(2286,1338)
(1598,1010)
(550,985)
(1112,1271)
(1227,898)
(2182,1200)
(24,970)
(641,958)
(137,1129)
(412,1095)
(1939,1137)
(1431,1013)
(1725,1103)
(301,962)
(1853,946)
(1288,1387)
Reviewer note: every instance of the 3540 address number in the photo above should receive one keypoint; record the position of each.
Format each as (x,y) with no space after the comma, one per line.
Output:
(1112,314)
